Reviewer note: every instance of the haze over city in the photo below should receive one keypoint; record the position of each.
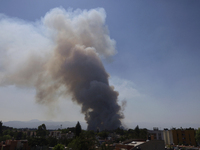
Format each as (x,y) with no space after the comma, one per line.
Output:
(149,50)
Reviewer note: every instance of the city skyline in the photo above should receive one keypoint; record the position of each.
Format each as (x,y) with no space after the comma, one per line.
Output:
(155,68)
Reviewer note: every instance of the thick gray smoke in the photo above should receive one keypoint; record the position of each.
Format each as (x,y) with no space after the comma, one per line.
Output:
(61,55)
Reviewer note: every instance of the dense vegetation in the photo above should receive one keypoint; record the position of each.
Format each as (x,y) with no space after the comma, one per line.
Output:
(198,136)
(82,140)
(7,133)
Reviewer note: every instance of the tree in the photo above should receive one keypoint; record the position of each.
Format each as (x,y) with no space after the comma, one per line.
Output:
(33,135)
(1,128)
(41,131)
(137,131)
(86,140)
(33,142)
(59,147)
(5,137)
(78,129)
(197,136)
(52,141)
(103,134)
(119,131)
(143,133)
(19,135)
(104,147)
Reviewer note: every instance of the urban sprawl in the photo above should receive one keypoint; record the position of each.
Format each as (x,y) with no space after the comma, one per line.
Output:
(75,138)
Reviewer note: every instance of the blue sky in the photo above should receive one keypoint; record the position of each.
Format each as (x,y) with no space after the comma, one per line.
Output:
(156,67)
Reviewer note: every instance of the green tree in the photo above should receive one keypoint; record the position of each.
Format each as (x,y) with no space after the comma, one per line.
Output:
(78,129)
(64,131)
(103,134)
(41,131)
(59,147)
(1,128)
(86,140)
(33,135)
(197,136)
(52,141)
(143,133)
(137,132)
(104,147)
(5,137)
(119,131)
(33,142)
(18,135)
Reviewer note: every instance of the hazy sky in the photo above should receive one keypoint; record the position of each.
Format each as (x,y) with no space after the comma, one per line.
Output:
(156,67)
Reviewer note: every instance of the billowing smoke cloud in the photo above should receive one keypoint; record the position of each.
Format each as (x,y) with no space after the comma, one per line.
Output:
(61,55)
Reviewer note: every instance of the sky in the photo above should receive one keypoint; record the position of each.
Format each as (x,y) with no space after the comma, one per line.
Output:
(155,68)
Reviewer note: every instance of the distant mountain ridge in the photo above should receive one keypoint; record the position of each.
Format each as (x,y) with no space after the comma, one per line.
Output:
(49,124)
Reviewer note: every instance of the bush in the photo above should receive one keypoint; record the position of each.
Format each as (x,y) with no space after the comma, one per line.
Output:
(59,147)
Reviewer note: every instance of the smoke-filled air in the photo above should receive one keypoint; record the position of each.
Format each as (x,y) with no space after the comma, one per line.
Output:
(60,55)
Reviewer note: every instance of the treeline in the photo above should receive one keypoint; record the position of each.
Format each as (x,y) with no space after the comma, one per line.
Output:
(81,139)
(132,133)
(7,133)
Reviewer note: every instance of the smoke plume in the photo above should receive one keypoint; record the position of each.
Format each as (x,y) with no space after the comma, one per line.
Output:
(61,55)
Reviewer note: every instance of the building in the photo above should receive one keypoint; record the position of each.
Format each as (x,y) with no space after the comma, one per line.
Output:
(59,134)
(180,137)
(55,134)
(184,136)
(167,137)
(151,145)
(15,144)
(155,134)
(141,145)
(69,135)
(129,144)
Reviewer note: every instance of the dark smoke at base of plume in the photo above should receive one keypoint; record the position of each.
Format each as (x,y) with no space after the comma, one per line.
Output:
(65,61)
(85,77)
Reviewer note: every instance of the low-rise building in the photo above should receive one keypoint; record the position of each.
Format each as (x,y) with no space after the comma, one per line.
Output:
(55,134)
(167,135)
(59,134)
(155,134)
(141,145)
(15,144)
(70,135)
(180,136)
(184,136)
